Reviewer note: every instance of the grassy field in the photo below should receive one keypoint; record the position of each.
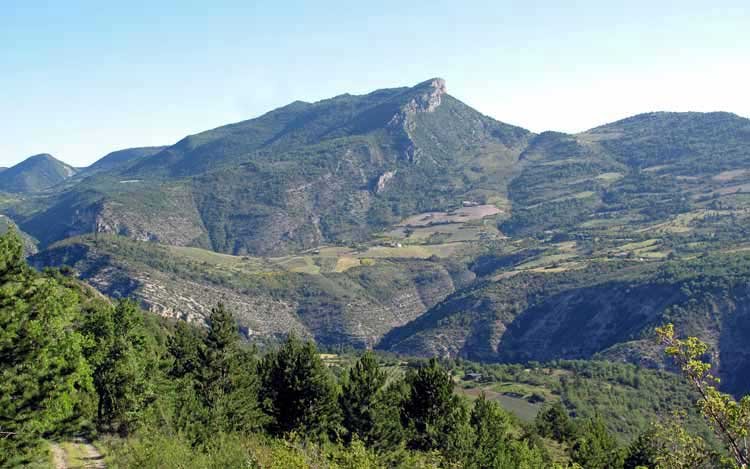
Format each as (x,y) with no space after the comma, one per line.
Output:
(324,260)
(518,406)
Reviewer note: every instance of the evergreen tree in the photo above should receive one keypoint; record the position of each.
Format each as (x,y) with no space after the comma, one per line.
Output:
(298,392)
(185,348)
(123,364)
(367,413)
(433,416)
(223,376)
(554,422)
(643,451)
(493,445)
(595,447)
(43,373)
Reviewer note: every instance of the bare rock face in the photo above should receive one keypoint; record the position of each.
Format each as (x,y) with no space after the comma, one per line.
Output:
(428,99)
(383,181)
(431,99)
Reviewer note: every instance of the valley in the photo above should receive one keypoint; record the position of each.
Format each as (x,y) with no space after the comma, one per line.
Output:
(403,220)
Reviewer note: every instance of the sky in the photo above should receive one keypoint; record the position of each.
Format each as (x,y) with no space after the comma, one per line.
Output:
(79,79)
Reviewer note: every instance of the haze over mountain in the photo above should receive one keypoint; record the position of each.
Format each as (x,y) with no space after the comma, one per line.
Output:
(36,173)
(404,219)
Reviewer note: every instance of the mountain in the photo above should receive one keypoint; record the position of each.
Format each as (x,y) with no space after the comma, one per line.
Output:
(645,168)
(306,174)
(601,312)
(406,220)
(119,158)
(34,174)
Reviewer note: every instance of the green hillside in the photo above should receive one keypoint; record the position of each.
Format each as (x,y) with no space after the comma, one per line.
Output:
(605,311)
(405,219)
(34,174)
(299,176)
(337,296)
(118,159)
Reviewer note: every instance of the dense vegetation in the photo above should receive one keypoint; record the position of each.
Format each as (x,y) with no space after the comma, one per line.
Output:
(349,221)
(161,393)
(73,362)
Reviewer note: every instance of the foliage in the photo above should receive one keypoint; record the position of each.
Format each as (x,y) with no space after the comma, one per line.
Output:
(298,392)
(595,447)
(493,445)
(433,416)
(44,376)
(367,414)
(120,356)
(554,422)
(729,418)
(668,445)
(216,381)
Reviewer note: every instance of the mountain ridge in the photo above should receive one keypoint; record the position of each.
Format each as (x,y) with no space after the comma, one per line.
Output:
(406,219)
(35,173)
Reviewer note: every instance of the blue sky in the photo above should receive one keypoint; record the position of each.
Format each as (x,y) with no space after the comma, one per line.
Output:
(79,79)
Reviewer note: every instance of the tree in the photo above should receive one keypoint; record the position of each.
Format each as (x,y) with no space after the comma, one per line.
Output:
(43,373)
(185,348)
(298,392)
(433,416)
(643,451)
(554,422)
(229,376)
(729,418)
(667,445)
(218,382)
(123,363)
(595,447)
(367,414)
(493,445)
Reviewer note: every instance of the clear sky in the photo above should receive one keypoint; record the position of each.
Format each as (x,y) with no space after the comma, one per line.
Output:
(79,79)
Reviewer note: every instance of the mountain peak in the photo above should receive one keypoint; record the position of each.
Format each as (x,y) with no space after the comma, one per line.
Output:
(429,97)
(35,173)
(436,83)
(41,157)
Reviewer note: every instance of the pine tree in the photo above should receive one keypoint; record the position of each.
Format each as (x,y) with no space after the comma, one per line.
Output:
(367,412)
(493,445)
(595,447)
(554,422)
(643,451)
(491,425)
(225,380)
(123,362)
(433,415)
(185,348)
(43,373)
(298,392)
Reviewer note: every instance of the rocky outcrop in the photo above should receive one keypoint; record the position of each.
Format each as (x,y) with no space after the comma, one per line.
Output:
(383,180)
(427,99)
(430,99)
